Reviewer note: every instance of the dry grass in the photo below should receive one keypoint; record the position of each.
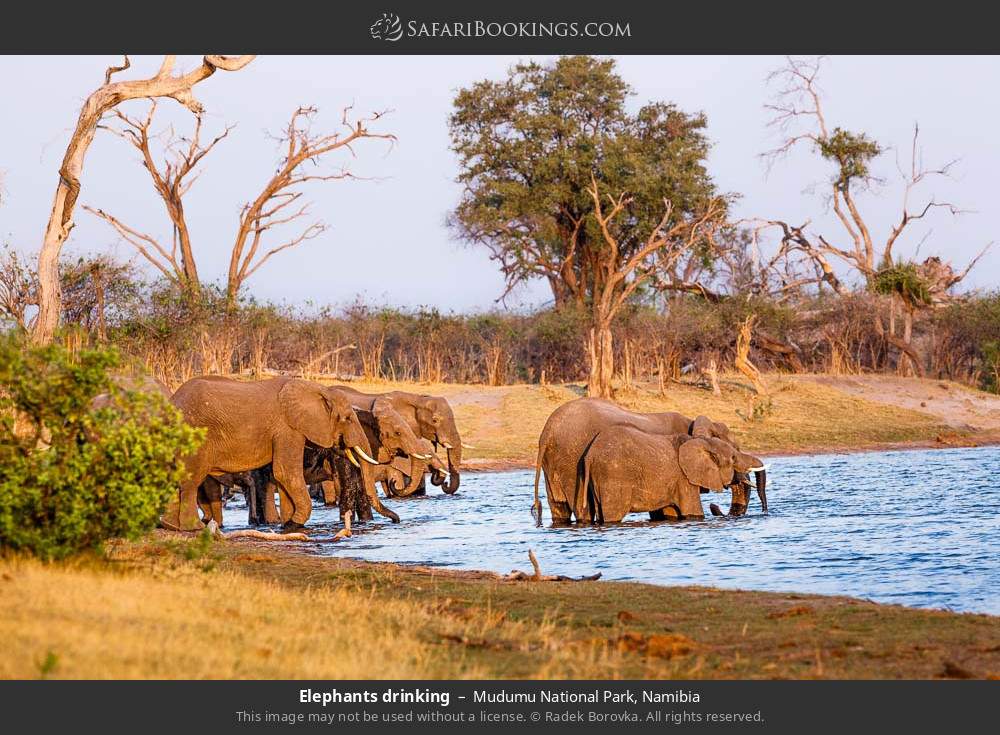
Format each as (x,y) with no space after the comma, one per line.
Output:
(93,624)
(167,611)
(503,423)
(179,608)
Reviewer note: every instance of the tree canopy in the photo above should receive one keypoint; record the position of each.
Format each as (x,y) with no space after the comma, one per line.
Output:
(529,146)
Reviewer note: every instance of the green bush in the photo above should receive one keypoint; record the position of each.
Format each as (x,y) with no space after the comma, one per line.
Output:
(72,474)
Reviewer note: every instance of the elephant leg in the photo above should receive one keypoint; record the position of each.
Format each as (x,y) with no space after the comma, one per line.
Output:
(203,503)
(330,492)
(181,513)
(690,505)
(287,468)
(558,509)
(210,500)
(286,506)
(271,515)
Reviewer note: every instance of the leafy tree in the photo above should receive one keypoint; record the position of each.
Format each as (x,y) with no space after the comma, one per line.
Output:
(535,147)
(75,472)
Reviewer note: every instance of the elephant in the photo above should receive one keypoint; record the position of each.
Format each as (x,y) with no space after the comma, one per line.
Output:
(402,480)
(572,427)
(389,437)
(627,470)
(252,424)
(430,417)
(138,383)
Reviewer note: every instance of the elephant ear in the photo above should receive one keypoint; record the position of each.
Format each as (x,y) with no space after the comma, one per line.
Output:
(699,465)
(308,409)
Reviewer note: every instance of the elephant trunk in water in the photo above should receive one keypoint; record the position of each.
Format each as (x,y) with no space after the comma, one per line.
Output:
(761,477)
(450,485)
(741,493)
(417,467)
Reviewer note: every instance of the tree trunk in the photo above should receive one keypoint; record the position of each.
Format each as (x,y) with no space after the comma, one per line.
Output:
(102,331)
(910,364)
(602,362)
(109,95)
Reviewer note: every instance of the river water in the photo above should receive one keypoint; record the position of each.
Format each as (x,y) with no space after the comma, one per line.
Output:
(917,528)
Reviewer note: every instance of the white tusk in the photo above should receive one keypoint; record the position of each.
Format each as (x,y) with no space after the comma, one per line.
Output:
(350,456)
(467,446)
(365,457)
(759,469)
(422,456)
(446,445)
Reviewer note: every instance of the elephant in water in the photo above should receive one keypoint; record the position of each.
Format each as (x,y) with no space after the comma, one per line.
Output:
(627,470)
(572,427)
(403,479)
(252,424)
(389,437)
(430,417)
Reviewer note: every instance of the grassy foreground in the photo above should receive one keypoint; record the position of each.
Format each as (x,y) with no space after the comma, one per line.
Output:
(804,415)
(182,607)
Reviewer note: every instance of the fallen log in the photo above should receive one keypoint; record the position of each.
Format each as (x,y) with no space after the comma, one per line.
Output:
(517,576)
(214,529)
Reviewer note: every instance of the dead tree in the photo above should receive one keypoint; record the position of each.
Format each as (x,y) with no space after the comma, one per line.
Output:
(797,112)
(18,288)
(742,359)
(171,181)
(280,201)
(106,97)
(618,271)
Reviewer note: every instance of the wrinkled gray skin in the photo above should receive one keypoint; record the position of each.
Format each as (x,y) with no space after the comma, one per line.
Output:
(430,417)
(252,424)
(572,427)
(627,470)
(389,437)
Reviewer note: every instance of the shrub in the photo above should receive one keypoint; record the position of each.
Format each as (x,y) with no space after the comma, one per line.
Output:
(71,474)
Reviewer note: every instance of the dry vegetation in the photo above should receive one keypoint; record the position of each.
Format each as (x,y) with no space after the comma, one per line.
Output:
(804,414)
(183,608)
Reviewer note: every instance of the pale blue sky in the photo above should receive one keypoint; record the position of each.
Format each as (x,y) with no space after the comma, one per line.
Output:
(387,240)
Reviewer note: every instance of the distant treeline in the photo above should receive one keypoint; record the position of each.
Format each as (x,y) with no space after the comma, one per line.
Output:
(176,338)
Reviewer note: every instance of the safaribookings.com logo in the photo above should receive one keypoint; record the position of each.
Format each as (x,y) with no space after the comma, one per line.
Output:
(387,28)
(390,28)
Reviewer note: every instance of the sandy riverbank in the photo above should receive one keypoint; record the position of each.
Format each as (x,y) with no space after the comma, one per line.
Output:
(806,414)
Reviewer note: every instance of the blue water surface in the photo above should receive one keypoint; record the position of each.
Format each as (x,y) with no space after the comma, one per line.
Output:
(916,528)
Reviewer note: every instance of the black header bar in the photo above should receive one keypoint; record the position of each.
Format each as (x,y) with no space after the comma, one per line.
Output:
(512,27)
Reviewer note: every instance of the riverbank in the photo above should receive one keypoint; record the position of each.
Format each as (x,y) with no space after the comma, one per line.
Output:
(175,606)
(802,414)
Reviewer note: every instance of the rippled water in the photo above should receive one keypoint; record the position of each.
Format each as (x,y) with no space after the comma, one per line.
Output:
(916,528)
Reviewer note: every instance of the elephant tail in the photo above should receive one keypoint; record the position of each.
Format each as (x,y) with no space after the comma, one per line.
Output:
(536,507)
(591,500)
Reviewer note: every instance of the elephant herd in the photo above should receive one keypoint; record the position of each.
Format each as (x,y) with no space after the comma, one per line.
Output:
(601,462)
(281,435)
(296,439)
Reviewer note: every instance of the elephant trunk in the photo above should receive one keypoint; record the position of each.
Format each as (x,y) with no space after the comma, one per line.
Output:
(761,477)
(741,496)
(416,475)
(450,486)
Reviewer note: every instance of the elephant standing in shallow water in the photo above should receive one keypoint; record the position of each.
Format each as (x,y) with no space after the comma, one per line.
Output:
(569,432)
(252,424)
(627,470)
(429,417)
